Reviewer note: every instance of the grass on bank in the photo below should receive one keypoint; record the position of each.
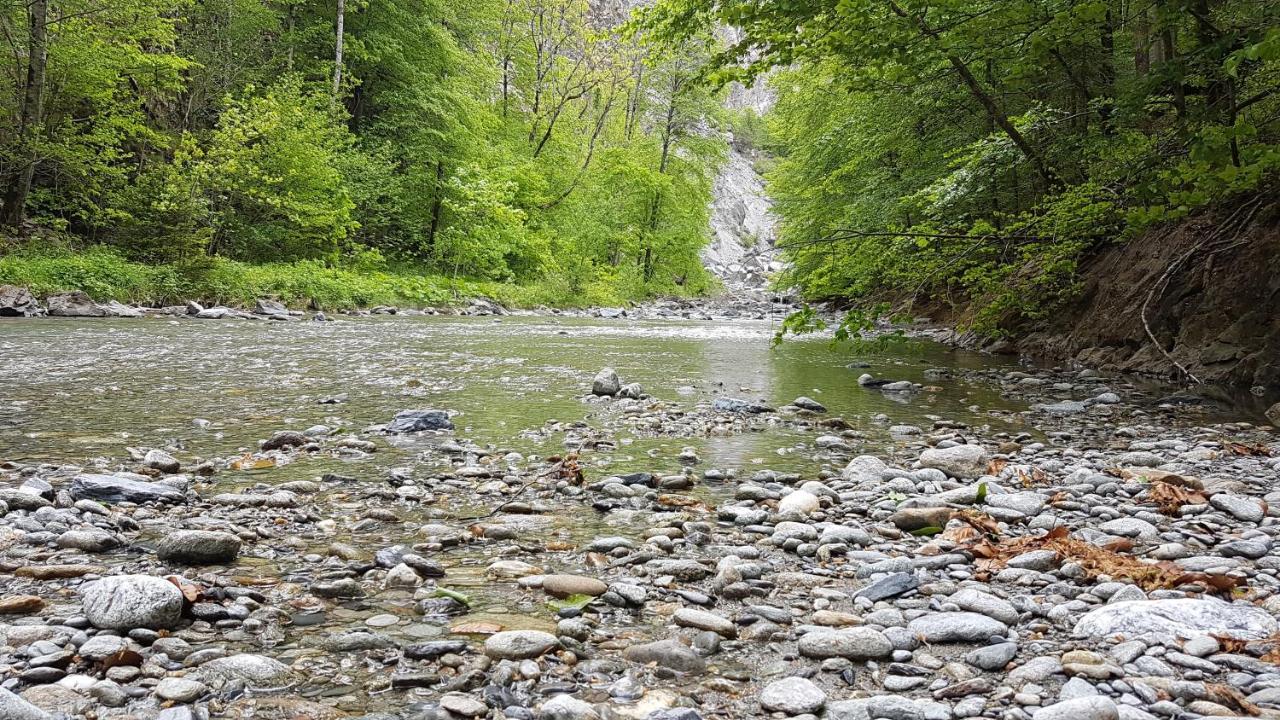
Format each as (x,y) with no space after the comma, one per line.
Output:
(105,275)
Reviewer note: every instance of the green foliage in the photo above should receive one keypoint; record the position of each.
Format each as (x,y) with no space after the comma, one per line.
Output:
(271,174)
(973,152)
(510,142)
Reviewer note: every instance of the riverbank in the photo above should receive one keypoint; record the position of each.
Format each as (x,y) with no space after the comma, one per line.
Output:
(748,532)
(107,277)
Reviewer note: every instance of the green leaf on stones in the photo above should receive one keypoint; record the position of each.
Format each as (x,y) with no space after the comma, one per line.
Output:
(982,494)
(573,601)
(927,531)
(452,595)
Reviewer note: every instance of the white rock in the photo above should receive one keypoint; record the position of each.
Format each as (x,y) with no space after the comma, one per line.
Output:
(126,602)
(793,696)
(961,461)
(1182,617)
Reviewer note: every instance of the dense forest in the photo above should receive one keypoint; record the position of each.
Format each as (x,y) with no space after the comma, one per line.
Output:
(506,140)
(975,149)
(942,150)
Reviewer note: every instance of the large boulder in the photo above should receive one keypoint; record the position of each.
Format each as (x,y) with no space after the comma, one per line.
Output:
(122,488)
(407,421)
(126,602)
(77,304)
(606,383)
(1182,617)
(18,302)
(273,309)
(74,304)
(198,547)
(864,469)
(959,461)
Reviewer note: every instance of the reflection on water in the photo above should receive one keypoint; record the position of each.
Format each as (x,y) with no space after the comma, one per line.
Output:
(76,389)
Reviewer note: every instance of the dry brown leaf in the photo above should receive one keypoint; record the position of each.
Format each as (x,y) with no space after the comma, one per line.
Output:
(1254,449)
(1230,645)
(1172,497)
(961,534)
(1099,560)
(672,500)
(1229,697)
(191,591)
(249,462)
(996,465)
(981,522)
(124,657)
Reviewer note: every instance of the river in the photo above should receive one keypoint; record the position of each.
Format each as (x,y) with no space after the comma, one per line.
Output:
(90,392)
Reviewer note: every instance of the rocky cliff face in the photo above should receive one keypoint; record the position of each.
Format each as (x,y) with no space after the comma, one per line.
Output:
(741,251)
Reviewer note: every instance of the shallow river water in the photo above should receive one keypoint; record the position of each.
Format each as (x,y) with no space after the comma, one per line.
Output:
(75,389)
(85,391)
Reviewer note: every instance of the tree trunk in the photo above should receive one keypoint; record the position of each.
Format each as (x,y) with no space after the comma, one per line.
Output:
(337,49)
(1107,73)
(14,211)
(437,206)
(288,28)
(1142,43)
(982,96)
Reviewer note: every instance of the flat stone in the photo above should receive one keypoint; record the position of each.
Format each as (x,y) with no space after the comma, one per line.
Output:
(407,421)
(14,707)
(20,604)
(463,705)
(118,488)
(255,670)
(563,586)
(956,627)
(703,620)
(198,547)
(985,604)
(793,696)
(858,643)
(1085,708)
(741,407)
(889,586)
(519,644)
(180,690)
(567,707)
(670,654)
(1241,508)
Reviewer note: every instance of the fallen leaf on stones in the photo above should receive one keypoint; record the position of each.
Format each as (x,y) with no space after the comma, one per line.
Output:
(127,658)
(1243,449)
(191,591)
(1172,497)
(1099,560)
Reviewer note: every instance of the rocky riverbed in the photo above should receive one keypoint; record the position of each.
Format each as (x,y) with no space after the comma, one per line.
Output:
(438,526)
